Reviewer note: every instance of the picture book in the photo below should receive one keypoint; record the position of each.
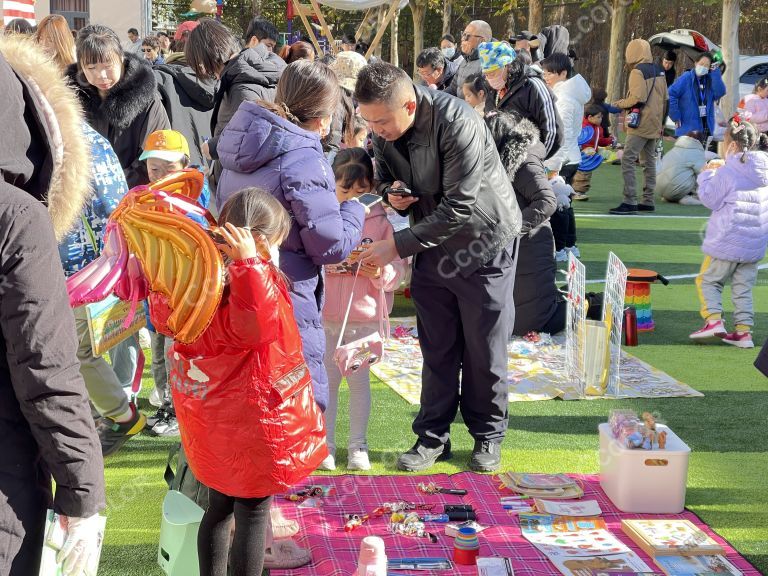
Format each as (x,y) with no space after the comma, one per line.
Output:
(576,544)
(542,481)
(627,573)
(106,323)
(580,508)
(669,537)
(548,523)
(55,537)
(627,563)
(696,566)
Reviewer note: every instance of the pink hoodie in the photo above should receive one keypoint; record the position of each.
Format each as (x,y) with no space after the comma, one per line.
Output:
(758,107)
(338,288)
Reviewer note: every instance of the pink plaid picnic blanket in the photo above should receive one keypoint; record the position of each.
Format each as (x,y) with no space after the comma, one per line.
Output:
(334,551)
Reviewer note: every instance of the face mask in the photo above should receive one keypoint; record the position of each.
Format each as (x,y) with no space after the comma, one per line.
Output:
(449,52)
(702,70)
(274,254)
(497,82)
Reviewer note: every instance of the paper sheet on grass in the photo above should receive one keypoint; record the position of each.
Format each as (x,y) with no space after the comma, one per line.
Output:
(536,371)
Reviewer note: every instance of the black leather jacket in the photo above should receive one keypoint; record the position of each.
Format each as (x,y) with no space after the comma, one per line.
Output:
(467,208)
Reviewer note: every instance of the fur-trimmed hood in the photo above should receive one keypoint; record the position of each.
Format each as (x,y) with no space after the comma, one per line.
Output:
(131,96)
(58,173)
(514,149)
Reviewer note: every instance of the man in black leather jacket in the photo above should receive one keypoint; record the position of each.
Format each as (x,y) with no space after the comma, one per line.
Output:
(464,225)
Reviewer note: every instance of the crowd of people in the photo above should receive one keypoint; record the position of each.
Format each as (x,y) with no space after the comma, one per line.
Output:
(483,154)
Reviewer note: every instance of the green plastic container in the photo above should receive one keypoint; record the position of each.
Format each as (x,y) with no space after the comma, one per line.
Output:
(177,553)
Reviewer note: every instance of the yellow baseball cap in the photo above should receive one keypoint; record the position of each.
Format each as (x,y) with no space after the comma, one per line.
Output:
(167,145)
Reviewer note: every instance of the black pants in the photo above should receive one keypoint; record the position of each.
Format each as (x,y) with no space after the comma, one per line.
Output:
(563,221)
(463,326)
(22,524)
(251,516)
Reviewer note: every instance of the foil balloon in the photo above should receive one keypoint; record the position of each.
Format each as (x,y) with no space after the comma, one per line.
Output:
(188,182)
(152,248)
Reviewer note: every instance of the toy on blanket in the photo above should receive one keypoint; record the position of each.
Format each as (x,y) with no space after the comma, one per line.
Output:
(627,428)
(354,521)
(410,524)
(432,488)
(313,491)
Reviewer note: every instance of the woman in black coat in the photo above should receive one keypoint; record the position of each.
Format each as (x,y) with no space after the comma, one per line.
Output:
(119,94)
(46,427)
(539,306)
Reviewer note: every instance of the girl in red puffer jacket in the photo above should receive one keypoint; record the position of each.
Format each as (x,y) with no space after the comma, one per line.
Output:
(243,394)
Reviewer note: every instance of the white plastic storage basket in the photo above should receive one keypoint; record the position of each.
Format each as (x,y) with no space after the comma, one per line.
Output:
(644,481)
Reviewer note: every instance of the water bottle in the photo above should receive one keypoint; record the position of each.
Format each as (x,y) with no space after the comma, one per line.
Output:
(630,326)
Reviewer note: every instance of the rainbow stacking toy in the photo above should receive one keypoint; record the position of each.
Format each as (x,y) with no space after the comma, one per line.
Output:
(638,294)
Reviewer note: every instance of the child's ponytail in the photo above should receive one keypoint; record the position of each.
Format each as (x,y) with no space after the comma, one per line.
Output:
(744,134)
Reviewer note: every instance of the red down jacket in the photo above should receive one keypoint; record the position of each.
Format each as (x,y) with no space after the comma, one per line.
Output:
(243,393)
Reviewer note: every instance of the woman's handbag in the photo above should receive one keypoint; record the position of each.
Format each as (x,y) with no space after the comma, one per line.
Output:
(364,352)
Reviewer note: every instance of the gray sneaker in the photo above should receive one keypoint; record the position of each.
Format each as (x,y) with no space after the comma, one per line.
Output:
(486,456)
(166,427)
(421,457)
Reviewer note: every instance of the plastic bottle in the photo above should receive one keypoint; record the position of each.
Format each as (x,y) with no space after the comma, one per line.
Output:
(372,560)
(435,518)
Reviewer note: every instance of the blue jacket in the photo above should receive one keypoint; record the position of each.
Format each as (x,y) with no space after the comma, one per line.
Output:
(258,148)
(83,243)
(685,98)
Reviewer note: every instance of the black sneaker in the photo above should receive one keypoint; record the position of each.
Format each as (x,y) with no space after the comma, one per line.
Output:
(486,456)
(114,434)
(646,208)
(623,209)
(421,457)
(158,416)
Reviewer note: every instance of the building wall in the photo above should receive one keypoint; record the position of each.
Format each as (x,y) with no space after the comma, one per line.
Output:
(117,14)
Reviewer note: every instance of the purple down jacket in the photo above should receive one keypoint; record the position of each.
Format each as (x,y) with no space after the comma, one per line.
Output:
(737,194)
(258,148)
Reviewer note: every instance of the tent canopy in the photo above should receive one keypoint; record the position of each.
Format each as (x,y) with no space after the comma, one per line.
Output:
(359,4)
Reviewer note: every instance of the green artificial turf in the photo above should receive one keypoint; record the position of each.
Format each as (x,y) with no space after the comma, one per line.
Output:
(725,429)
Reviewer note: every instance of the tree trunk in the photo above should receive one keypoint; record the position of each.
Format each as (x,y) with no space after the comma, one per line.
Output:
(256,7)
(380,17)
(510,24)
(730,43)
(614,86)
(447,14)
(394,43)
(535,15)
(418,12)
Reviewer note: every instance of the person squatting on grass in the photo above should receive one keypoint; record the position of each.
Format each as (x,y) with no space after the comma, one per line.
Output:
(737,233)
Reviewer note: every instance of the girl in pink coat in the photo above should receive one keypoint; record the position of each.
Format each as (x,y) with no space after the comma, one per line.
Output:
(757,105)
(353,171)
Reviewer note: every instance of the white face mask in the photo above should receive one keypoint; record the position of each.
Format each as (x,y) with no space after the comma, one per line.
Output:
(497,82)
(449,52)
(274,254)
(702,70)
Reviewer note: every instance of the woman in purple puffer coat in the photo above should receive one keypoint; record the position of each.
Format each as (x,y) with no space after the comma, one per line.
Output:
(277,148)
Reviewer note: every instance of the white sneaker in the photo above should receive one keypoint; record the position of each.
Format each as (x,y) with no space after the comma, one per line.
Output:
(154,398)
(145,340)
(328,464)
(561,255)
(358,460)
(574,250)
(690,200)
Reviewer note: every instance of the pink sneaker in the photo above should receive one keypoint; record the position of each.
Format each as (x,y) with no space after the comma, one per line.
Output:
(739,339)
(711,331)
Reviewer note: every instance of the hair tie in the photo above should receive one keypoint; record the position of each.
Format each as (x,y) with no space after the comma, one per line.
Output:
(288,114)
